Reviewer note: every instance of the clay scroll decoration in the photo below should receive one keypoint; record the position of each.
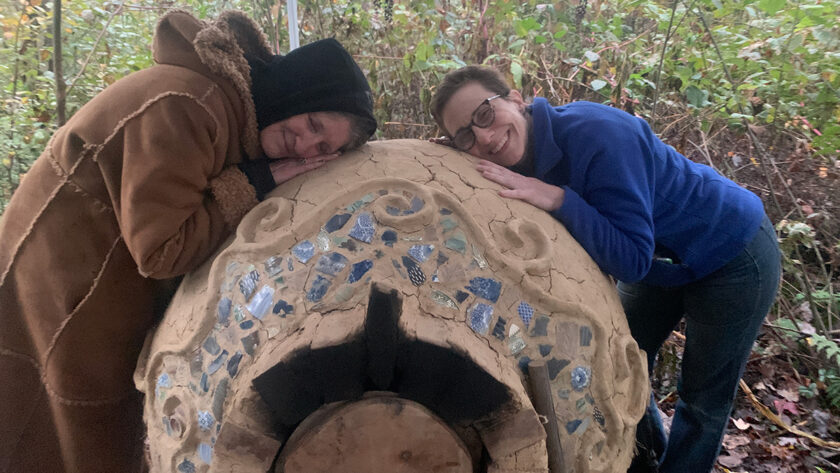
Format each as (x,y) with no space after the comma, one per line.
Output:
(396,269)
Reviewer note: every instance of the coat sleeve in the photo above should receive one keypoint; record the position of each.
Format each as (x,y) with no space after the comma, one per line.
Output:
(177,203)
(610,210)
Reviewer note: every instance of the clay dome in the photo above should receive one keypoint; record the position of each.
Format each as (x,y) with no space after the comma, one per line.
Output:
(393,285)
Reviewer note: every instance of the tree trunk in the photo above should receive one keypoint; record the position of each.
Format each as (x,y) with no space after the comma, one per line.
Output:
(60,92)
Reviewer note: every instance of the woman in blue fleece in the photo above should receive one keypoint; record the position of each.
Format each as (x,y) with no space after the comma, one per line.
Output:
(682,240)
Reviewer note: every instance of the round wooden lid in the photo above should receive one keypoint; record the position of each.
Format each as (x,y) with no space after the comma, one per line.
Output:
(379,434)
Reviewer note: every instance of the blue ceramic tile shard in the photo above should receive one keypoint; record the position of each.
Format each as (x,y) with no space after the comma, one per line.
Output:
(205,452)
(421,252)
(581,376)
(303,251)
(196,364)
(443,299)
(456,243)
(249,342)
(164,381)
(563,394)
(348,245)
(219,396)
(248,284)
(318,289)
(572,425)
(515,343)
(224,311)
(331,263)
(398,268)
(392,210)
(363,229)
(389,237)
(485,288)
(441,258)
(283,308)
(445,211)
(526,313)
(588,397)
(415,274)
(358,270)
(499,329)
(336,222)
(273,266)
(246,324)
(461,296)
(205,382)
(416,205)
(523,364)
(211,345)
(290,264)
(233,364)
(555,366)
(545,349)
(480,316)
(238,315)
(360,203)
(186,466)
(583,426)
(261,302)
(448,224)
(540,327)
(585,336)
(217,363)
(205,420)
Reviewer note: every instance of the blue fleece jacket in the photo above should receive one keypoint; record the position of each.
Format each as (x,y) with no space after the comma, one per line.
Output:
(631,200)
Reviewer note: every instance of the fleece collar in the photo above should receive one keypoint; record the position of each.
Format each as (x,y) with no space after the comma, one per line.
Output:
(219,48)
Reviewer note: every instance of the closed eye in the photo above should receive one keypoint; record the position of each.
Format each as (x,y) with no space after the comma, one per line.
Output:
(314,125)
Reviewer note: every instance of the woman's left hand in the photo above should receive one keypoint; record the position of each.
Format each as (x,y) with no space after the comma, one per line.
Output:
(528,189)
(284,169)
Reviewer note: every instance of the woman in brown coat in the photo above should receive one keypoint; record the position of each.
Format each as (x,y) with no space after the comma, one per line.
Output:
(142,185)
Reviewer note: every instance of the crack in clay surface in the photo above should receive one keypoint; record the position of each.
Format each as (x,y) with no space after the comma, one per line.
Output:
(495,312)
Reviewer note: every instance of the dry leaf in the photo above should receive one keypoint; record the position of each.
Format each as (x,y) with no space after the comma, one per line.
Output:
(741,424)
(782,406)
(788,441)
(732,460)
(731,442)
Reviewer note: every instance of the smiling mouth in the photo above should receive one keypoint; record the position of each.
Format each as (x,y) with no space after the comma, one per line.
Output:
(501,144)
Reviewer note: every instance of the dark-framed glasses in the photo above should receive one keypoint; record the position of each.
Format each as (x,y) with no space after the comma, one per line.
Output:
(482,117)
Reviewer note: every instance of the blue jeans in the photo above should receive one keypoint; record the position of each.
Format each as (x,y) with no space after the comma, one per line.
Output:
(723,313)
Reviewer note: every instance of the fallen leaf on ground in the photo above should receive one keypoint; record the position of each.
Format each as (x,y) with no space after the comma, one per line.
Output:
(732,460)
(741,424)
(731,442)
(788,441)
(782,406)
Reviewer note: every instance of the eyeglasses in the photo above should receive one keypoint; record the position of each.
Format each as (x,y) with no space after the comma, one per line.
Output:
(483,116)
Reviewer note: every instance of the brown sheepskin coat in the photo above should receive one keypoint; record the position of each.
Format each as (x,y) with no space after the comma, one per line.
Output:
(136,188)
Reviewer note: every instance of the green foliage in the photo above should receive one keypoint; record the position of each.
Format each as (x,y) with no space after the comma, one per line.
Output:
(827,347)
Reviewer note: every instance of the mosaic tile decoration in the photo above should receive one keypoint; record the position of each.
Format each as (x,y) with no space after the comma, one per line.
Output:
(271,297)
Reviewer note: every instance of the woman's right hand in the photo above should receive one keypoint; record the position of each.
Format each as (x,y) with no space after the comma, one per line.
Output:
(284,169)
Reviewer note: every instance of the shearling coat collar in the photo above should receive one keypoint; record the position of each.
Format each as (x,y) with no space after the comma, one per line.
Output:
(216,48)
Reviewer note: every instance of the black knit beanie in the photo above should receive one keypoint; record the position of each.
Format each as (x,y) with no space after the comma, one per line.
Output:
(317,77)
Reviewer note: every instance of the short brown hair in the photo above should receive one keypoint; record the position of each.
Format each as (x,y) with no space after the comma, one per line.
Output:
(489,78)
